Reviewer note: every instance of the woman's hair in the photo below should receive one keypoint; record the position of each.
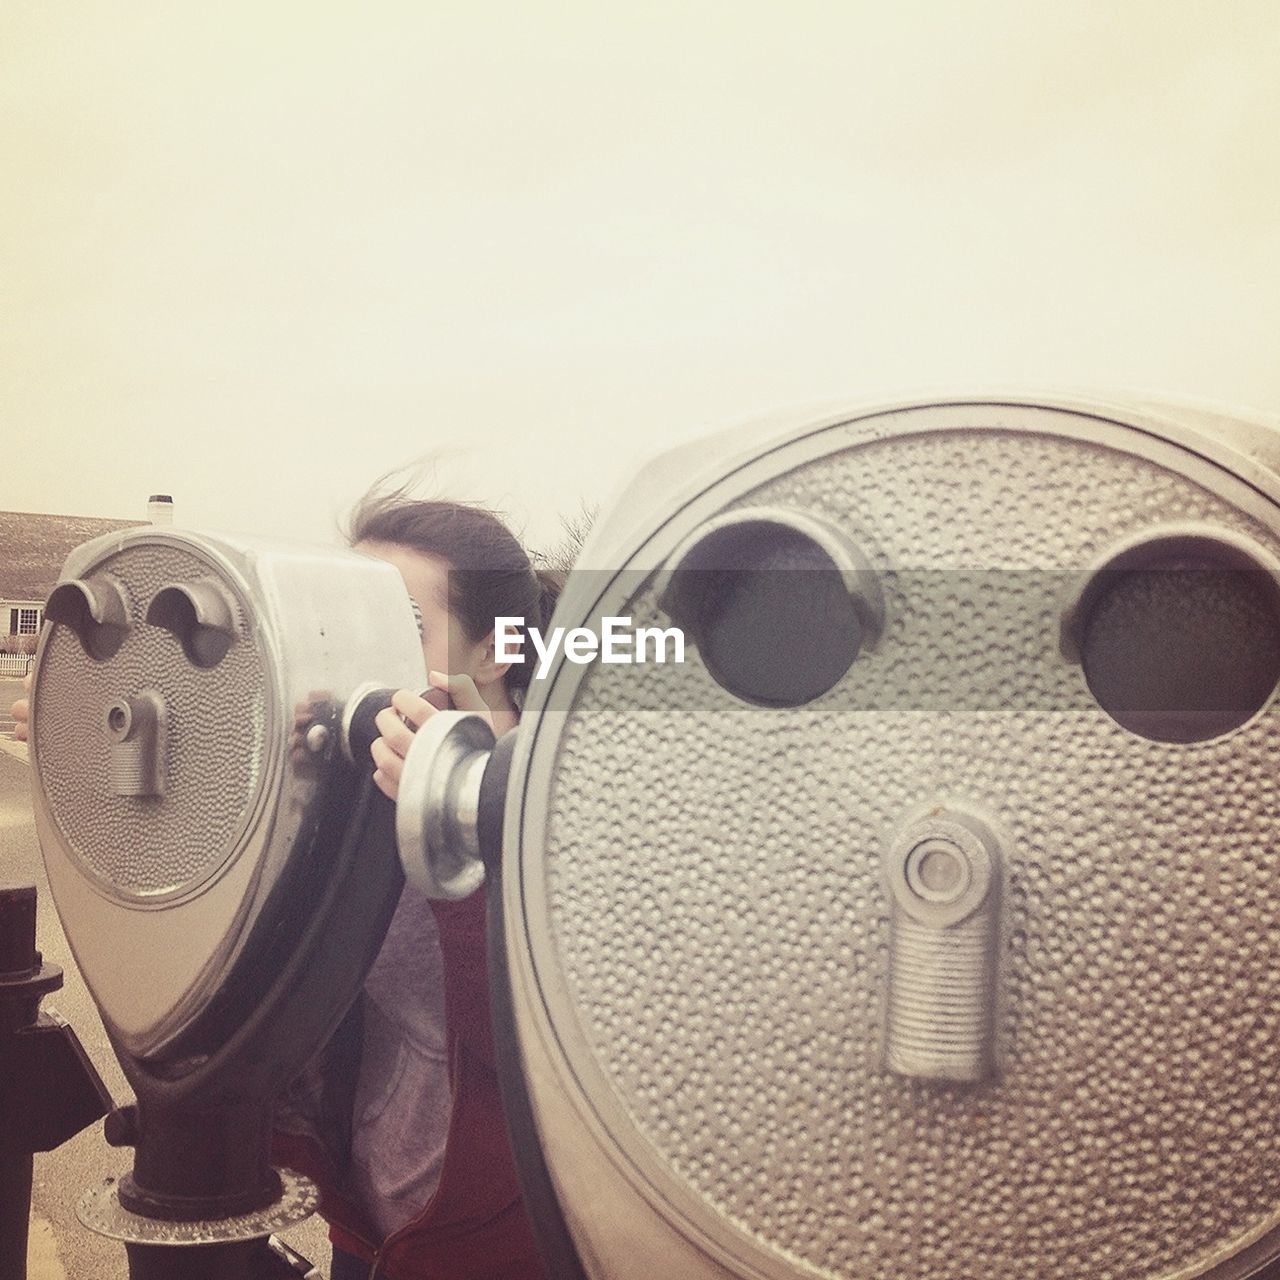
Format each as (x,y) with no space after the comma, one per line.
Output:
(490,573)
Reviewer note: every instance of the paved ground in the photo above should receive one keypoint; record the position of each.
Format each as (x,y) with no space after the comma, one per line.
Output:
(60,1248)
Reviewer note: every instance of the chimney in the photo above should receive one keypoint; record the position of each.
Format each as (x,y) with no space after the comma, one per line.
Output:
(160,508)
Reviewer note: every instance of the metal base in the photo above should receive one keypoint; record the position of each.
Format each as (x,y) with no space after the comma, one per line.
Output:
(100,1210)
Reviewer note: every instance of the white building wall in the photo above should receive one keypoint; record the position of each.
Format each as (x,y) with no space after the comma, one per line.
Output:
(21,617)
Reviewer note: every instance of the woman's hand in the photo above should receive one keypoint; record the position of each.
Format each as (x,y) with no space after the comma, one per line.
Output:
(21,711)
(407,713)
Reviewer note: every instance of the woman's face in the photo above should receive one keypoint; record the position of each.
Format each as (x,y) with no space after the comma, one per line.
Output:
(444,643)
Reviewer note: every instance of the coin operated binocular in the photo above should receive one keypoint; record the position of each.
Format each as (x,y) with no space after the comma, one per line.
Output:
(223,869)
(922,923)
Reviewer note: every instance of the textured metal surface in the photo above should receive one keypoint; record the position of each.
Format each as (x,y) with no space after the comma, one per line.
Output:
(720,925)
(151,848)
(100,1210)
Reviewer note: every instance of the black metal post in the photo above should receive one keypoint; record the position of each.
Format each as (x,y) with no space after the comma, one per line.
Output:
(23,980)
(15,1210)
(49,1090)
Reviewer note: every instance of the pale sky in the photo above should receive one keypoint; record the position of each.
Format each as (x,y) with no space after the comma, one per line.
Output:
(256,254)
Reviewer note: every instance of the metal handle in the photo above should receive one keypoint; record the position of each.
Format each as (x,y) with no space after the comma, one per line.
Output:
(438,809)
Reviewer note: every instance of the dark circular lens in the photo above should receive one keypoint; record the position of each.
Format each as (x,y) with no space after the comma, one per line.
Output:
(1184,649)
(770,612)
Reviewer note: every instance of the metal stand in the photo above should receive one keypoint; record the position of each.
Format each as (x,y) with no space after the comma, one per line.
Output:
(202,1200)
(49,1089)
(49,1092)
(243,1260)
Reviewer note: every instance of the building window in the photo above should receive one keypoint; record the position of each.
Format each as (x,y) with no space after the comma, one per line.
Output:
(28,622)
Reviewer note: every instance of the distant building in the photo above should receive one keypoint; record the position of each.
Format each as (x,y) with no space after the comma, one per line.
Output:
(32,549)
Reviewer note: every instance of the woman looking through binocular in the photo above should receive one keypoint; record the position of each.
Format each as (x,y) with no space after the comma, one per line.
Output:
(427,1186)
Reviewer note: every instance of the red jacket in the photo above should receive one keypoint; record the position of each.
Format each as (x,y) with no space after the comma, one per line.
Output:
(474,1227)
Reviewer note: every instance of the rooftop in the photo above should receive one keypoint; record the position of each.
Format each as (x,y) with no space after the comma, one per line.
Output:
(33,547)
